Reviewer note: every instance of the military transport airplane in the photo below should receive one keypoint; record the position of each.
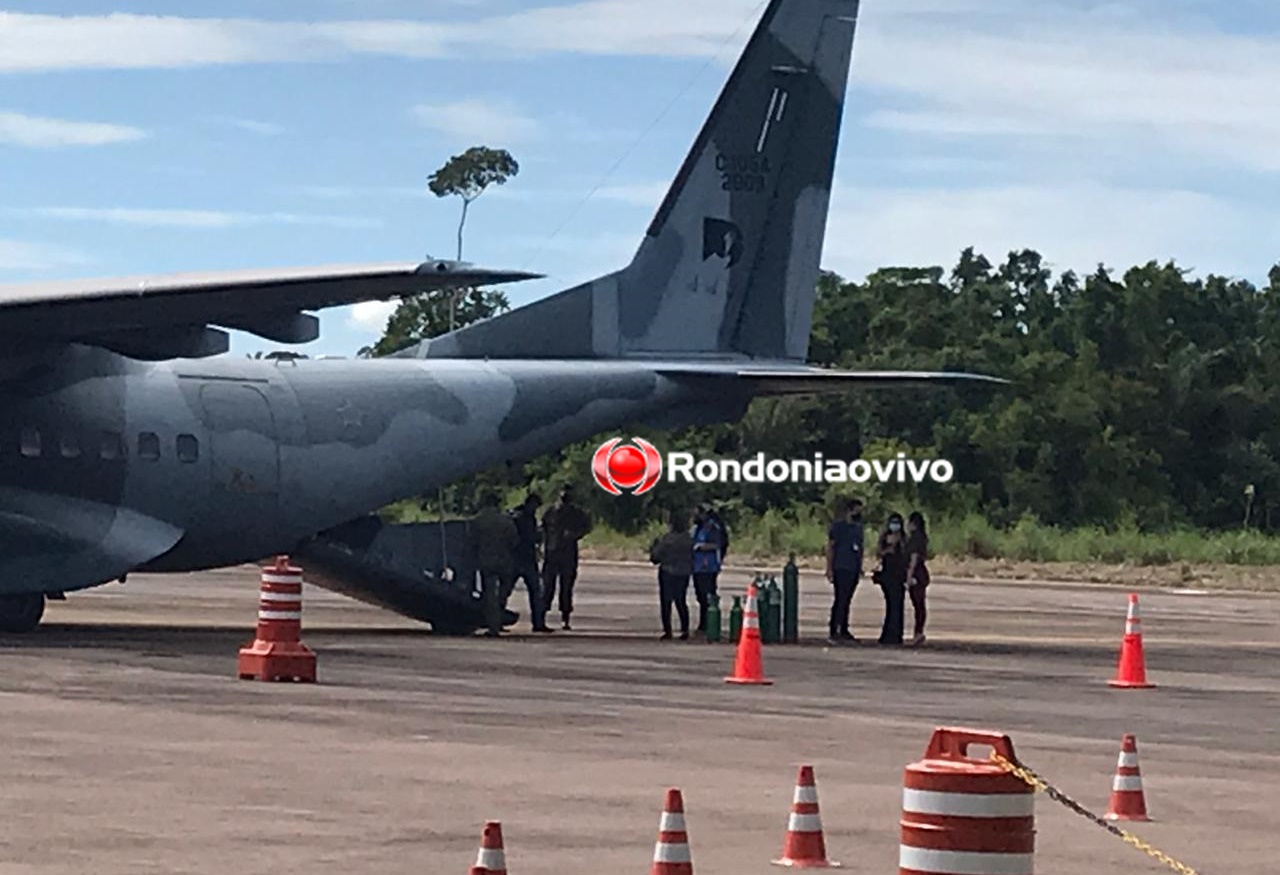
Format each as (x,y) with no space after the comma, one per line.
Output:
(128,443)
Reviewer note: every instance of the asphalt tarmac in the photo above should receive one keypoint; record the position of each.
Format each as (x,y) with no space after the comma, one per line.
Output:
(131,748)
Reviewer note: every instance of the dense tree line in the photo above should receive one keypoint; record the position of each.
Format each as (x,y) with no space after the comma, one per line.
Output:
(1148,398)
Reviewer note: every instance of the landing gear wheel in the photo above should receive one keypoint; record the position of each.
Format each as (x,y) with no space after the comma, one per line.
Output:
(21,613)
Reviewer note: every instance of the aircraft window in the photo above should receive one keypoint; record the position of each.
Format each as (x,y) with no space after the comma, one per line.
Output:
(30,442)
(149,445)
(70,446)
(111,445)
(188,448)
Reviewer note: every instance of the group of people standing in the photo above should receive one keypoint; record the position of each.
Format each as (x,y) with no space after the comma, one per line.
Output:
(683,553)
(506,549)
(902,553)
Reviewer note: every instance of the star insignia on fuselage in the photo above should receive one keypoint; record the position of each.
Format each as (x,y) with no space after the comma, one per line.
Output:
(351,418)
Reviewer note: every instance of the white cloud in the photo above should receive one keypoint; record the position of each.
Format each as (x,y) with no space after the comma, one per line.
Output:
(206,219)
(1132,69)
(1074,227)
(18,255)
(351,192)
(39,132)
(128,41)
(646,194)
(253,126)
(474,121)
(34,42)
(1105,75)
(371,315)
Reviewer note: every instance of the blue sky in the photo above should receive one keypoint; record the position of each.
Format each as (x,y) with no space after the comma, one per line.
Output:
(144,137)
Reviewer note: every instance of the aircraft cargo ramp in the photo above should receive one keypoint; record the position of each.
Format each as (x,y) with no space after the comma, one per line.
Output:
(400,567)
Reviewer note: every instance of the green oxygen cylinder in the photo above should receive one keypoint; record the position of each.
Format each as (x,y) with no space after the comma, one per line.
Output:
(714,626)
(735,619)
(775,612)
(791,601)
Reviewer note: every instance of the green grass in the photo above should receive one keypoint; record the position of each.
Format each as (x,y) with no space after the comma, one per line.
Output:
(774,535)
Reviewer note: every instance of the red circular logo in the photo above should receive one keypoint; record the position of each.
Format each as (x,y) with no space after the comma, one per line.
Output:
(635,469)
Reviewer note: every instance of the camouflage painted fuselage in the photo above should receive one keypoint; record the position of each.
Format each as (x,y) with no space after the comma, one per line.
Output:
(198,464)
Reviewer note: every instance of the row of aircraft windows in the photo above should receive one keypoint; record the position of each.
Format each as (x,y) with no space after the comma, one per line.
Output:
(110,445)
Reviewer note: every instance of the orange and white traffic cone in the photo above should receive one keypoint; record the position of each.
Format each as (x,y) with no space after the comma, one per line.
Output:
(748,664)
(277,652)
(492,859)
(671,855)
(1128,801)
(1131,672)
(805,847)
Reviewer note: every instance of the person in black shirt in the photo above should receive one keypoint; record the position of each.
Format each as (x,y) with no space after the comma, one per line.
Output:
(526,559)
(893,579)
(844,567)
(673,554)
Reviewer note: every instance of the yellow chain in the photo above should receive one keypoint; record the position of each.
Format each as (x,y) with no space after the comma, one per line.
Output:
(1057,795)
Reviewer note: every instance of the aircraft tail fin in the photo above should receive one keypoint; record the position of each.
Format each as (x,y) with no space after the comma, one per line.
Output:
(729,265)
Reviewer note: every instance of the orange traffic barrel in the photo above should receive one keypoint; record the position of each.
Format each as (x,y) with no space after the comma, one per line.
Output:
(963,815)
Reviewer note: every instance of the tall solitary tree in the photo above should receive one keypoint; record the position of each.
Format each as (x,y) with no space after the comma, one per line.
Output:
(467,176)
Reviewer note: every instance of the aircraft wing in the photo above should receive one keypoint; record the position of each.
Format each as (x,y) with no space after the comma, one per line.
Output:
(181,315)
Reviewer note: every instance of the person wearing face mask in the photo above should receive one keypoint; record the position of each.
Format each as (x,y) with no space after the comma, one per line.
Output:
(893,579)
(844,567)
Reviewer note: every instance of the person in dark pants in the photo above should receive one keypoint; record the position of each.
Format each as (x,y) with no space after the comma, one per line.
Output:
(893,579)
(673,554)
(493,538)
(708,551)
(917,572)
(844,567)
(563,526)
(526,559)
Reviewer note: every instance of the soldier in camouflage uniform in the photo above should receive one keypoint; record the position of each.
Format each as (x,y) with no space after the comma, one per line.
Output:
(493,538)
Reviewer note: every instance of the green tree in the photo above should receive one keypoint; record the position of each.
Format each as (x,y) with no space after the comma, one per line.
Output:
(433,314)
(467,176)
(1140,397)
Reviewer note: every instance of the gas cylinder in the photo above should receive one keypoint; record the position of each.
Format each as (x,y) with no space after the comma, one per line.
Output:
(775,611)
(963,814)
(762,607)
(735,619)
(791,601)
(714,625)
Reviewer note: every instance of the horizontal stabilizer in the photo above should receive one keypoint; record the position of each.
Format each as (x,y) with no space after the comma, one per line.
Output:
(809,381)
